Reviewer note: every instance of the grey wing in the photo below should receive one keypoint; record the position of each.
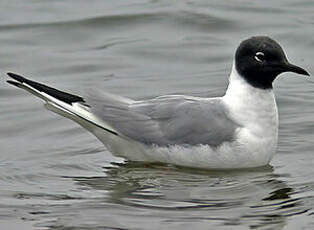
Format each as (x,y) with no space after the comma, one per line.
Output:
(167,120)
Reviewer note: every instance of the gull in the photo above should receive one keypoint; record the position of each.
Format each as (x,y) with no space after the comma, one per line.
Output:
(237,130)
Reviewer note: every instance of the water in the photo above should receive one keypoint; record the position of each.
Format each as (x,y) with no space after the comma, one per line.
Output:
(55,175)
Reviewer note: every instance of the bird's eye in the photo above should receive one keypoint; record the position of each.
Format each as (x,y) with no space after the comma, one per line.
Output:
(259,56)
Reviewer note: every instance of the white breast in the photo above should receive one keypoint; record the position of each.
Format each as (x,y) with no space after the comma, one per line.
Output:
(255,110)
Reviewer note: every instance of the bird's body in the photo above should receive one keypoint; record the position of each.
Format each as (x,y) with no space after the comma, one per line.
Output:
(224,138)
(238,130)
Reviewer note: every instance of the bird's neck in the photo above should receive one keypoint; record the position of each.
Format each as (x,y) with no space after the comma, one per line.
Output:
(250,106)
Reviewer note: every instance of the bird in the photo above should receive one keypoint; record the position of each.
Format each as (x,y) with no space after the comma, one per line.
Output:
(235,131)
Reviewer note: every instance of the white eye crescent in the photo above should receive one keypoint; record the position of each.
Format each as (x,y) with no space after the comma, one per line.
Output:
(259,56)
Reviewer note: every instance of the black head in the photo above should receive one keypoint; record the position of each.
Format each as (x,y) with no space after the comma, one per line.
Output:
(259,60)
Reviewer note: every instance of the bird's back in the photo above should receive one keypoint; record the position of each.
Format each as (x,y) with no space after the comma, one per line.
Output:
(167,120)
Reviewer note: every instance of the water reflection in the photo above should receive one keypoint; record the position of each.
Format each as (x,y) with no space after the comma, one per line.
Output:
(256,198)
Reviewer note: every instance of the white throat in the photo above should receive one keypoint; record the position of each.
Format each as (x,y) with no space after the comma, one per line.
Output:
(250,105)
(255,110)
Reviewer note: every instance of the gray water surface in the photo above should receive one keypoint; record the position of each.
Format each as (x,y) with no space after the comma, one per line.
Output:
(55,175)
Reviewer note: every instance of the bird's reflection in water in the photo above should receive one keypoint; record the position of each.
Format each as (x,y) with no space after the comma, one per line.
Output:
(253,197)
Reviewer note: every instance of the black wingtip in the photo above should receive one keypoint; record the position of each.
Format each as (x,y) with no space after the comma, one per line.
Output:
(17,84)
(10,74)
(16,77)
(63,96)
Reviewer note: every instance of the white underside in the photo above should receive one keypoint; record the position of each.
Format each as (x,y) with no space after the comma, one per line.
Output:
(254,145)
(227,156)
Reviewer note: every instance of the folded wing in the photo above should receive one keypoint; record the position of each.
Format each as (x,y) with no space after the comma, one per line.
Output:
(166,120)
